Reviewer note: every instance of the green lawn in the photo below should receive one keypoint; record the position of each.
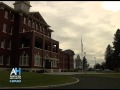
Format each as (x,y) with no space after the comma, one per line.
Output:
(34,79)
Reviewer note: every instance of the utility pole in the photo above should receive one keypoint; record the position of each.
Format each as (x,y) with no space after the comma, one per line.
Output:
(82,53)
(85,62)
(95,63)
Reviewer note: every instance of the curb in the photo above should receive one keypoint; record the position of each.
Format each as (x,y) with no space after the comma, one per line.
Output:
(47,86)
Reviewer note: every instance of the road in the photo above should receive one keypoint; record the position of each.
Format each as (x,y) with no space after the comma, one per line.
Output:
(90,82)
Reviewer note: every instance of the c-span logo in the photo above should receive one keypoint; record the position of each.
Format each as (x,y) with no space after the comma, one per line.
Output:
(15,75)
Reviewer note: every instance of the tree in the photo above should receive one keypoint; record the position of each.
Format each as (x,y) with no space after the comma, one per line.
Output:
(97,66)
(116,46)
(78,62)
(84,63)
(103,65)
(109,63)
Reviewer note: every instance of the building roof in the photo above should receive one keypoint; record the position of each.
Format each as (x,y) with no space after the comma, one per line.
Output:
(33,15)
(3,4)
(38,16)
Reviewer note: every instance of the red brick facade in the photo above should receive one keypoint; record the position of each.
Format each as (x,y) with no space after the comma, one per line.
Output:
(31,36)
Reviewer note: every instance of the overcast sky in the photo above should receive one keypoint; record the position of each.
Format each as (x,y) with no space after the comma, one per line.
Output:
(96,21)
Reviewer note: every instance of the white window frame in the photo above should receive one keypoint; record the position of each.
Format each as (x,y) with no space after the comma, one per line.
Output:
(4,28)
(37,60)
(1,59)
(6,15)
(24,60)
(54,63)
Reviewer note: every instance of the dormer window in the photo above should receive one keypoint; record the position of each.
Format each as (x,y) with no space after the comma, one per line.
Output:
(6,15)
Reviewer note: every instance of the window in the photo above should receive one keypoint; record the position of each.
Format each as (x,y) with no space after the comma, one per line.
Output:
(37,26)
(24,59)
(40,28)
(33,25)
(48,34)
(29,23)
(4,27)
(37,60)
(8,60)
(11,29)
(6,15)
(9,45)
(11,17)
(1,59)
(24,30)
(43,30)
(54,63)
(3,43)
(25,20)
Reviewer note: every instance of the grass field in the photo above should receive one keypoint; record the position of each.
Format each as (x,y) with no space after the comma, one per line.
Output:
(107,75)
(34,79)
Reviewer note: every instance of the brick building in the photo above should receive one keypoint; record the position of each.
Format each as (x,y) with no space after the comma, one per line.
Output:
(25,41)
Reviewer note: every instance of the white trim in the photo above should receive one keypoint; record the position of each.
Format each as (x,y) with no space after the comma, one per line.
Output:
(6,15)
(37,60)
(24,60)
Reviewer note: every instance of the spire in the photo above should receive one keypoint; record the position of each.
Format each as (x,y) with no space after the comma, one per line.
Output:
(81,46)
(22,5)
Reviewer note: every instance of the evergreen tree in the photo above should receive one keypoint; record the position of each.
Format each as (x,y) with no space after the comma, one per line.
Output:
(116,46)
(78,62)
(103,65)
(84,63)
(109,62)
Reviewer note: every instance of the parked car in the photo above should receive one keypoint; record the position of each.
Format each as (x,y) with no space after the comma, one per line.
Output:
(107,70)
